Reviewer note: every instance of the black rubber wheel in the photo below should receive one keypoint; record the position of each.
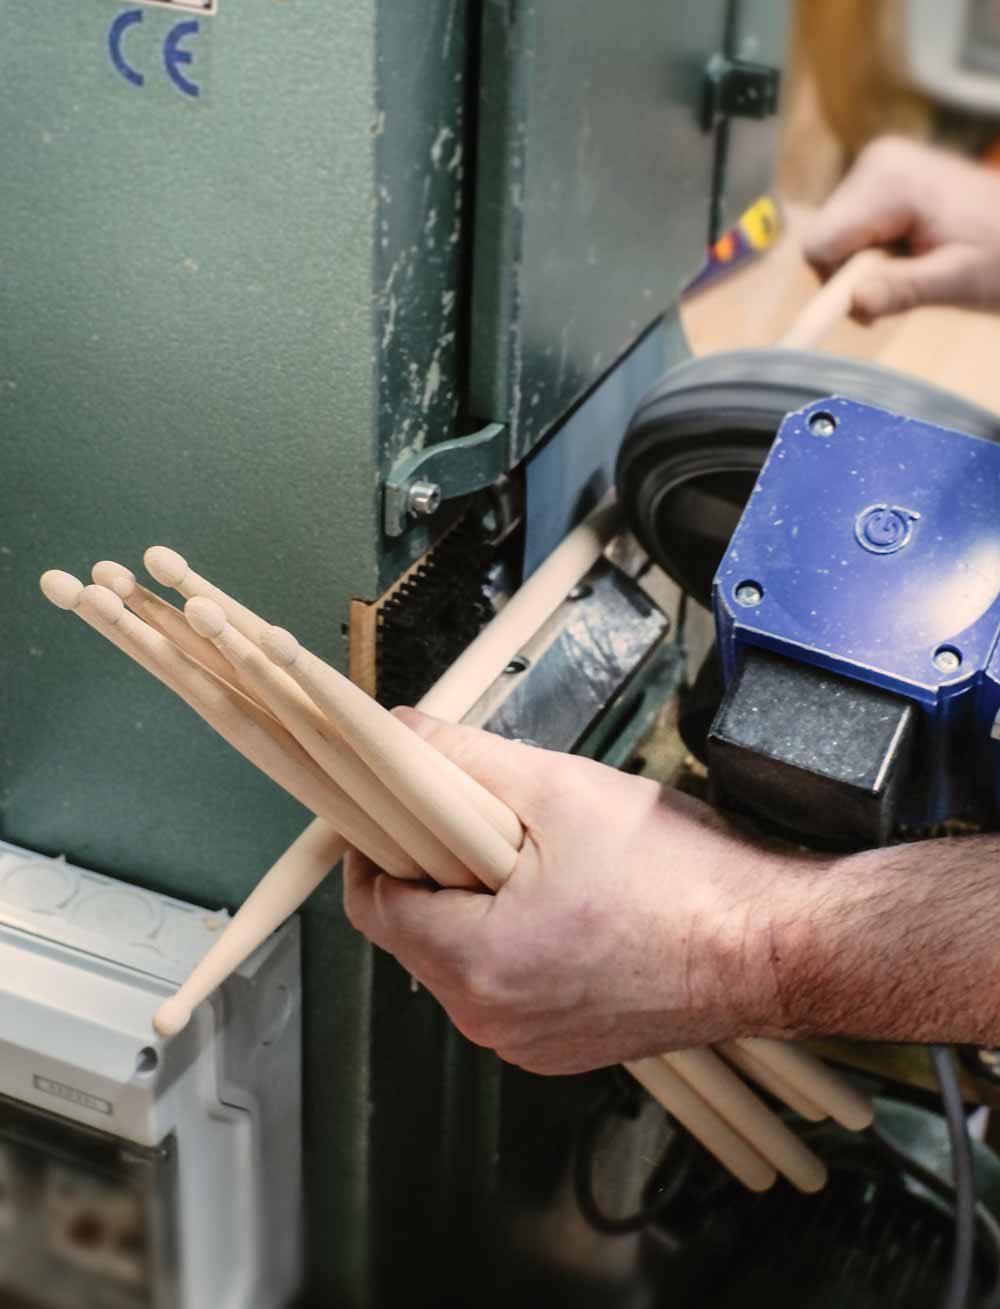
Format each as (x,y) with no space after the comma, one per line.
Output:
(699,438)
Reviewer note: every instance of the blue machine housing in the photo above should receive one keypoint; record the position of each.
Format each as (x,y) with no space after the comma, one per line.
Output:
(870,547)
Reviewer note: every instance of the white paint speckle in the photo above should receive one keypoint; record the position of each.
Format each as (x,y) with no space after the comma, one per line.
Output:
(389,327)
(440,141)
(432,382)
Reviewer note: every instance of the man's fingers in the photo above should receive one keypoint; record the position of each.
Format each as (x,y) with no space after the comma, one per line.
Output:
(872,206)
(948,275)
(507,768)
(855,221)
(411,920)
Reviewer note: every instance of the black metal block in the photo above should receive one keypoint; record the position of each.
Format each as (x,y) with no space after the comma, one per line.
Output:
(818,755)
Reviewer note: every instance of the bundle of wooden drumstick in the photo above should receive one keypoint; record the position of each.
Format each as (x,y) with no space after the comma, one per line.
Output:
(376,785)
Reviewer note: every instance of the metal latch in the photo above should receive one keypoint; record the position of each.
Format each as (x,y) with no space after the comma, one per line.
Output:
(419,484)
(737,88)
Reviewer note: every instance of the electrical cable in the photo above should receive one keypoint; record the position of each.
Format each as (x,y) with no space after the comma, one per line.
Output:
(960,1280)
(931,1181)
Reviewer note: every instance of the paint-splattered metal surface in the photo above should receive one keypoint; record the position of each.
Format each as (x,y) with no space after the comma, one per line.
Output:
(234,294)
(592,199)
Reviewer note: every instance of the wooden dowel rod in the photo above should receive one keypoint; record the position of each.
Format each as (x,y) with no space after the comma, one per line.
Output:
(818,1082)
(398,756)
(762,1129)
(747,1063)
(830,304)
(702,1121)
(297,873)
(309,859)
(237,719)
(158,613)
(289,704)
(460,686)
(172,569)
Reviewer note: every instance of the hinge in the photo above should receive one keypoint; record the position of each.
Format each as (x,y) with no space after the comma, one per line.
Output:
(737,88)
(420,483)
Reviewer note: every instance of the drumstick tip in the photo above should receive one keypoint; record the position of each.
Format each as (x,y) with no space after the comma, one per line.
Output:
(62,589)
(167,566)
(279,646)
(116,577)
(205,617)
(104,602)
(171,1017)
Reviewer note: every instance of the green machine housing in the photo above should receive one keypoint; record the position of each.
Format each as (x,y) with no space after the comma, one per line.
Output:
(258,259)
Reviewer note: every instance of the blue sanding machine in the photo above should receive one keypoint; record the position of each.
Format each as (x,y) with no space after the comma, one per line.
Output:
(854,694)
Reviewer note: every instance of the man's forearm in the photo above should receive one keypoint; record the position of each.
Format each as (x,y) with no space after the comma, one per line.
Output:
(895,944)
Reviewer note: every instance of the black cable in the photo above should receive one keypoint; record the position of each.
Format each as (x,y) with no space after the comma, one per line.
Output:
(931,1181)
(960,1280)
(661,1190)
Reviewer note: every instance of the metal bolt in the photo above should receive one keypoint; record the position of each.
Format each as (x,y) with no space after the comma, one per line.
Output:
(423,499)
(822,425)
(519,664)
(749,594)
(947,660)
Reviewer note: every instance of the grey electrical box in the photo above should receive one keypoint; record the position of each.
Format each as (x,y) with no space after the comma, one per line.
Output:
(136,1174)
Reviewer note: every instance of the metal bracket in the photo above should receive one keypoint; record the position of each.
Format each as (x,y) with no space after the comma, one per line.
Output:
(419,484)
(737,88)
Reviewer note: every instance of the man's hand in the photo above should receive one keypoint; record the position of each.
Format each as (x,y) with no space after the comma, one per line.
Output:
(634,921)
(945,210)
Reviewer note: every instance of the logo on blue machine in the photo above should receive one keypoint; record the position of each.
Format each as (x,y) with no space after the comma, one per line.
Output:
(883,529)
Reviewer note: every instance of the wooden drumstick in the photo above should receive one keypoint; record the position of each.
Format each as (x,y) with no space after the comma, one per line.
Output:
(742,1059)
(155,611)
(763,1130)
(702,1121)
(172,569)
(309,859)
(298,872)
(399,757)
(831,303)
(237,719)
(533,603)
(811,1076)
(292,707)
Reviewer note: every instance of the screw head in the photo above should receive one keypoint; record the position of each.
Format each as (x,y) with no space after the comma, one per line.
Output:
(822,424)
(748,594)
(519,664)
(423,499)
(947,660)
(580,592)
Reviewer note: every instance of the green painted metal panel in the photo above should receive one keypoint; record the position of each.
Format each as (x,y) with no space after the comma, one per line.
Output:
(186,357)
(759,33)
(593,185)
(221,317)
